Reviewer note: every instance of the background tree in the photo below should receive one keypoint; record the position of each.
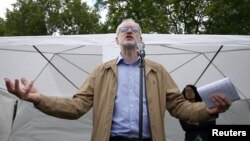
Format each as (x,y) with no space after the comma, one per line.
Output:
(42,17)
(71,17)
(228,17)
(27,18)
(162,16)
(186,16)
(2,27)
(147,13)
(181,16)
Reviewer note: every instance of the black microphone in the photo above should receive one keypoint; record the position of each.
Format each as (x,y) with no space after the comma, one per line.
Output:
(140,48)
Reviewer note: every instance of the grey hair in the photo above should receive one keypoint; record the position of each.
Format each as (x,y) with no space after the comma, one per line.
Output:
(126,20)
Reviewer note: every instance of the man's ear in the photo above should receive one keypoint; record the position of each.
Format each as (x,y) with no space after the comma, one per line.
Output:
(140,38)
(116,39)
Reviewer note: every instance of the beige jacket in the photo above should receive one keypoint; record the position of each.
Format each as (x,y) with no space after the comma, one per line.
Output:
(99,91)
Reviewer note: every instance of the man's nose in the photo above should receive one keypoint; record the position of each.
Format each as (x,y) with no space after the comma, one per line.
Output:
(129,30)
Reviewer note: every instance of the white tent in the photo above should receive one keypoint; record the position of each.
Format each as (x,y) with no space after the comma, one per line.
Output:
(184,56)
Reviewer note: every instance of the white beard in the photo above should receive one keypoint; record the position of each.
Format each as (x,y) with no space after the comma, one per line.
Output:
(129,47)
(129,44)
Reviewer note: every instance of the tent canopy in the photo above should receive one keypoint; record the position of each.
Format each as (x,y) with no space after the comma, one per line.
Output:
(184,56)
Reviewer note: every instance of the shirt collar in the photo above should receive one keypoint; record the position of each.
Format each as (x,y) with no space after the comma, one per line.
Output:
(120,59)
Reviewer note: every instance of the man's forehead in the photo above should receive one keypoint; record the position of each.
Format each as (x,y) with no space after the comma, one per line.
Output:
(129,23)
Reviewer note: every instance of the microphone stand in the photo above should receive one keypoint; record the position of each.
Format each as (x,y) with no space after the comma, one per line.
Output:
(141,53)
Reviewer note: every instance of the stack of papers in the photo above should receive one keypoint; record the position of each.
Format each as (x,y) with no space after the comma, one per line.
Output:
(224,86)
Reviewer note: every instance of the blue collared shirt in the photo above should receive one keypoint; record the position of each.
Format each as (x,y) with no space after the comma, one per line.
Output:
(126,111)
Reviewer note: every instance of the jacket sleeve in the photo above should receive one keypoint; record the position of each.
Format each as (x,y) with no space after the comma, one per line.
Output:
(178,106)
(70,108)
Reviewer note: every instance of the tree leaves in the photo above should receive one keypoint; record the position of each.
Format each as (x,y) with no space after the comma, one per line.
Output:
(69,17)
(42,17)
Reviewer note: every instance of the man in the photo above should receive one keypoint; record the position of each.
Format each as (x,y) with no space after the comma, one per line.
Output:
(112,90)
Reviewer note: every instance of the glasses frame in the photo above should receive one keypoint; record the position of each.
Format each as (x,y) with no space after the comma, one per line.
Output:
(133,29)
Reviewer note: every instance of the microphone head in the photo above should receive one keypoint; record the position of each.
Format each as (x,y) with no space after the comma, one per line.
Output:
(140,45)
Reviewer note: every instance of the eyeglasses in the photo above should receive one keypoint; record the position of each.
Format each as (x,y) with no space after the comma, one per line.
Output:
(134,29)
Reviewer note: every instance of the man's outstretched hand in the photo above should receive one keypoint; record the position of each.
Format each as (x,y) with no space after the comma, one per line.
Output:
(27,92)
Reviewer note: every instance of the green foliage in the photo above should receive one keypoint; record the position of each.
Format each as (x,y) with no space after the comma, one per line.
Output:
(71,17)
(162,16)
(2,27)
(181,16)
(27,18)
(186,16)
(68,17)
(228,17)
(145,12)
(42,17)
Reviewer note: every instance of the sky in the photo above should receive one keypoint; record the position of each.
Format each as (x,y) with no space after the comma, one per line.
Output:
(4,4)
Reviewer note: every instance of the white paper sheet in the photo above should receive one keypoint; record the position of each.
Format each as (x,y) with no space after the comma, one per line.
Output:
(224,86)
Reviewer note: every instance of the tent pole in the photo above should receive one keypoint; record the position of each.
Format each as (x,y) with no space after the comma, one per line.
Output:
(54,66)
(208,65)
